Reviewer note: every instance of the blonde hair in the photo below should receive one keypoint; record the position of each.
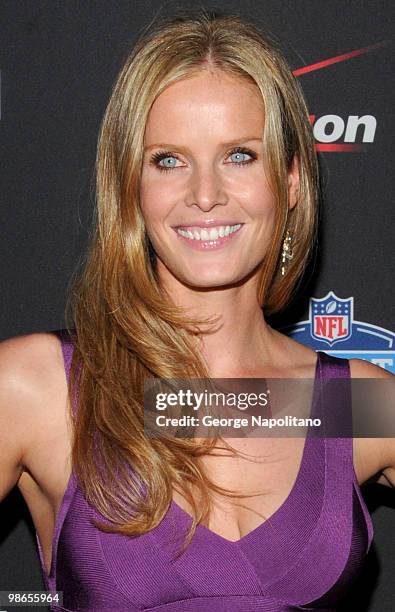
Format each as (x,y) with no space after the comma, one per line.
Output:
(125,329)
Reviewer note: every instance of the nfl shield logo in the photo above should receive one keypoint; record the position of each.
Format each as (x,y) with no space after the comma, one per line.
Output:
(331,318)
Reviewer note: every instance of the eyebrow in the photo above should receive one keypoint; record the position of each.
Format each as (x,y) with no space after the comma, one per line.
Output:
(164,145)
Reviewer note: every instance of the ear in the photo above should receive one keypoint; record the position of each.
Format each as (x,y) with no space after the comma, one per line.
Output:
(293,182)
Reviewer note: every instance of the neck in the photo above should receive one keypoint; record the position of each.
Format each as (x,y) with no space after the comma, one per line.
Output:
(241,342)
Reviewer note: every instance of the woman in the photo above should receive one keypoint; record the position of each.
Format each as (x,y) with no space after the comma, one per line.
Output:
(206,215)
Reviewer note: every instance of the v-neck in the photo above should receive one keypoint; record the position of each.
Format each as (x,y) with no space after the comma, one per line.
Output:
(185,517)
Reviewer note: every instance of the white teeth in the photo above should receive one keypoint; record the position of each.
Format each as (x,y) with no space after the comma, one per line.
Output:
(213,234)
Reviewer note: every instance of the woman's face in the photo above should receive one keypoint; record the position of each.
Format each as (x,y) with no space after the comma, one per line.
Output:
(205,198)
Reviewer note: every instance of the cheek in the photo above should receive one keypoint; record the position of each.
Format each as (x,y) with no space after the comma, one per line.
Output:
(152,202)
(156,193)
(255,194)
(263,207)
(260,203)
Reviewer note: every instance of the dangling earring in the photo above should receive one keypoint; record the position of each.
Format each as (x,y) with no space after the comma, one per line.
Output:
(286,252)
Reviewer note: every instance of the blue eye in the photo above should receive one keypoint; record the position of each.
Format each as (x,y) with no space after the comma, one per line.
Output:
(163,156)
(239,154)
(164,159)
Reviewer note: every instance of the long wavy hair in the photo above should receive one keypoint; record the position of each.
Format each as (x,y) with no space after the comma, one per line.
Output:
(125,329)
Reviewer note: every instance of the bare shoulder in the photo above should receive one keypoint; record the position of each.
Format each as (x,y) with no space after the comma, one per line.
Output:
(32,380)
(360,368)
(30,365)
(374,458)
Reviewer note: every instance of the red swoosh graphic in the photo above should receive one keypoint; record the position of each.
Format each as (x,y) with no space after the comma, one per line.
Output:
(338,147)
(337,59)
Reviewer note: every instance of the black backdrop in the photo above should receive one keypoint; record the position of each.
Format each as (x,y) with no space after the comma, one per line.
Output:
(59,60)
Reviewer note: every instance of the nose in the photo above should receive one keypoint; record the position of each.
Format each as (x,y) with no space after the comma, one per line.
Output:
(206,190)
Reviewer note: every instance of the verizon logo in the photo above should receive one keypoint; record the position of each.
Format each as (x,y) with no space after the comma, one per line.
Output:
(332,132)
(335,134)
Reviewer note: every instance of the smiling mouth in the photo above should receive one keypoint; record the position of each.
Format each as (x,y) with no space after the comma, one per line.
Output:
(202,239)
(212,233)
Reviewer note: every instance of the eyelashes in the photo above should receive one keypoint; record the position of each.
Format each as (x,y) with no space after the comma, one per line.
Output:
(160,155)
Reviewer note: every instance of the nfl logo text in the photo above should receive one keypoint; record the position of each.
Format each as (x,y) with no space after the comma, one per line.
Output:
(331,328)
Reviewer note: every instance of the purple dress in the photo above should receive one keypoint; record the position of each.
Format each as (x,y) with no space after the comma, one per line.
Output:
(304,557)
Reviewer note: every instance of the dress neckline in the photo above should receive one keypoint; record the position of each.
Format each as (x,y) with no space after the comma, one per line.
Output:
(185,518)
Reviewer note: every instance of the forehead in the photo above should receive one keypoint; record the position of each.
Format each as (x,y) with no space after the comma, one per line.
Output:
(207,102)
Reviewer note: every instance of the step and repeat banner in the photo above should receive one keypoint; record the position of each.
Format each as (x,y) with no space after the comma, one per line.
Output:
(58,62)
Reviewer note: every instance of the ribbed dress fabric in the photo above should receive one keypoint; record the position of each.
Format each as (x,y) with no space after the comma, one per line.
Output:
(305,556)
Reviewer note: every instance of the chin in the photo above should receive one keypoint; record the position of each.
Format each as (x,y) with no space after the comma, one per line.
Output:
(203,277)
(211,281)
